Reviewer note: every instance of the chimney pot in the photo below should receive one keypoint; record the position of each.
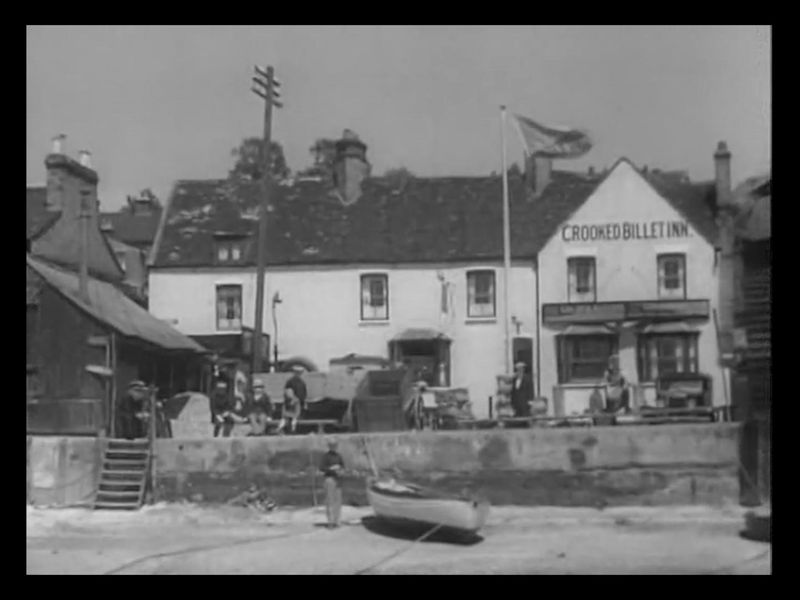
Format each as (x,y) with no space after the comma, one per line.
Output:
(722,175)
(722,150)
(58,143)
(85,158)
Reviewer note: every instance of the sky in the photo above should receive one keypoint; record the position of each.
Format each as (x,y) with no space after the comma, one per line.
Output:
(155,104)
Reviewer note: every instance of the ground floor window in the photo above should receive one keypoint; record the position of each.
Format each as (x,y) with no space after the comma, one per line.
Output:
(667,353)
(584,357)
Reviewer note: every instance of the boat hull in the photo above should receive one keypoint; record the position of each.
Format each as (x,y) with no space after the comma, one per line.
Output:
(458,515)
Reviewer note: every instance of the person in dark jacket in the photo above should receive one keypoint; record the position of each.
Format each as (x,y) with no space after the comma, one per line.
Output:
(522,392)
(133,411)
(617,388)
(332,466)
(259,409)
(298,386)
(294,401)
(222,409)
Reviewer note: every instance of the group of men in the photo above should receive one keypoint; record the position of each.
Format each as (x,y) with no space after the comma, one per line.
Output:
(616,400)
(257,408)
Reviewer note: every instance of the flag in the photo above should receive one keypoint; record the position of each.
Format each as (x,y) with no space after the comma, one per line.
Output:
(555,142)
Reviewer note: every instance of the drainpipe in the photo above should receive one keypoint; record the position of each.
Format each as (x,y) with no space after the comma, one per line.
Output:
(538,334)
(84,265)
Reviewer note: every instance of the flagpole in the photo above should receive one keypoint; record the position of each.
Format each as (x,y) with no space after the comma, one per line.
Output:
(506,246)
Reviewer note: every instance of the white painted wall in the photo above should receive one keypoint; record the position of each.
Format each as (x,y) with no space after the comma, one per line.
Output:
(626,270)
(320,314)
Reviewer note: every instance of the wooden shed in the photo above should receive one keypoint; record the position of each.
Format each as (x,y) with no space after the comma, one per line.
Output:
(84,349)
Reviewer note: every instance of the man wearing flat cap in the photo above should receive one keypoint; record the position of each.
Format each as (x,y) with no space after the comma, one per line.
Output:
(332,466)
(133,411)
(259,409)
(522,392)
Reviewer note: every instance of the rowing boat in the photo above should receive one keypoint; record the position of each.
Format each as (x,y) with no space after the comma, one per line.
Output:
(405,502)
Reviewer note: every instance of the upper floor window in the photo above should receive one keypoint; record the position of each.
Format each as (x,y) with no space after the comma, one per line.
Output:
(582,277)
(481,294)
(374,297)
(229,307)
(667,353)
(672,276)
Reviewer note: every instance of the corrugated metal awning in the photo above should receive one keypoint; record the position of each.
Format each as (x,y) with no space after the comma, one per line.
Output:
(411,335)
(670,327)
(110,306)
(589,329)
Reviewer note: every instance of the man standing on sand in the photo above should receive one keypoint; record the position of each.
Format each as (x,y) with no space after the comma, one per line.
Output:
(332,467)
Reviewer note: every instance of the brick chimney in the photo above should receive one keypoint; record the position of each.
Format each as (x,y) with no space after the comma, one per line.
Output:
(722,175)
(538,172)
(67,178)
(726,242)
(351,167)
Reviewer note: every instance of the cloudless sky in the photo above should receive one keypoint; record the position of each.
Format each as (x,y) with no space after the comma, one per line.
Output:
(158,104)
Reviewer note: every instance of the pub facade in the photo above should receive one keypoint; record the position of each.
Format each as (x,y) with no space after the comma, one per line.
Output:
(633,273)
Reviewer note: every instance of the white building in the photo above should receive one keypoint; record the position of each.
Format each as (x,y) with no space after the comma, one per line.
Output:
(412,270)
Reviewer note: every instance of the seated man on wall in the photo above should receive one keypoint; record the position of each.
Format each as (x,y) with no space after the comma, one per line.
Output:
(259,410)
(223,410)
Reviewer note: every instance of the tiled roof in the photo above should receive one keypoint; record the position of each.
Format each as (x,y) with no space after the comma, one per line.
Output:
(38,218)
(423,220)
(134,229)
(754,199)
(109,305)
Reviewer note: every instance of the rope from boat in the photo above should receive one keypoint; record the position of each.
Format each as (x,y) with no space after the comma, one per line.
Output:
(383,561)
(206,548)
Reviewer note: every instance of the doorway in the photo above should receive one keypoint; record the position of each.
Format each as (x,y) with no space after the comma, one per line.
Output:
(522,351)
(428,360)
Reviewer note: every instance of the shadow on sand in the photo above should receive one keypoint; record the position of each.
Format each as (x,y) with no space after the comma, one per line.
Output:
(413,531)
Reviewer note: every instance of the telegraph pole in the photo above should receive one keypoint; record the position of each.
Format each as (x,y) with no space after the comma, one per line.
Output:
(266,87)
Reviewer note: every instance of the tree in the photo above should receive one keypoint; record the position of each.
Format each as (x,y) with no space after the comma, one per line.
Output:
(398,176)
(249,162)
(324,153)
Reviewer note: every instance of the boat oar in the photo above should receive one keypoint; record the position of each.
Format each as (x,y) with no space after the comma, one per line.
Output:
(369,458)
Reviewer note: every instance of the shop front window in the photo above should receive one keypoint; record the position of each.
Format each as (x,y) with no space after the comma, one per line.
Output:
(664,354)
(582,279)
(584,357)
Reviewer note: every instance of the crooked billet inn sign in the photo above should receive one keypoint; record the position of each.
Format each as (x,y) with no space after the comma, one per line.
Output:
(648,230)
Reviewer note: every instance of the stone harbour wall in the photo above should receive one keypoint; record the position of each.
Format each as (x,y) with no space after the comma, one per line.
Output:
(655,465)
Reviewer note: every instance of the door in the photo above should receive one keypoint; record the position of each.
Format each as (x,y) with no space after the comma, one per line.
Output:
(522,351)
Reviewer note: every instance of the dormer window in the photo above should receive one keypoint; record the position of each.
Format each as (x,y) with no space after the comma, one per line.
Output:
(229,248)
